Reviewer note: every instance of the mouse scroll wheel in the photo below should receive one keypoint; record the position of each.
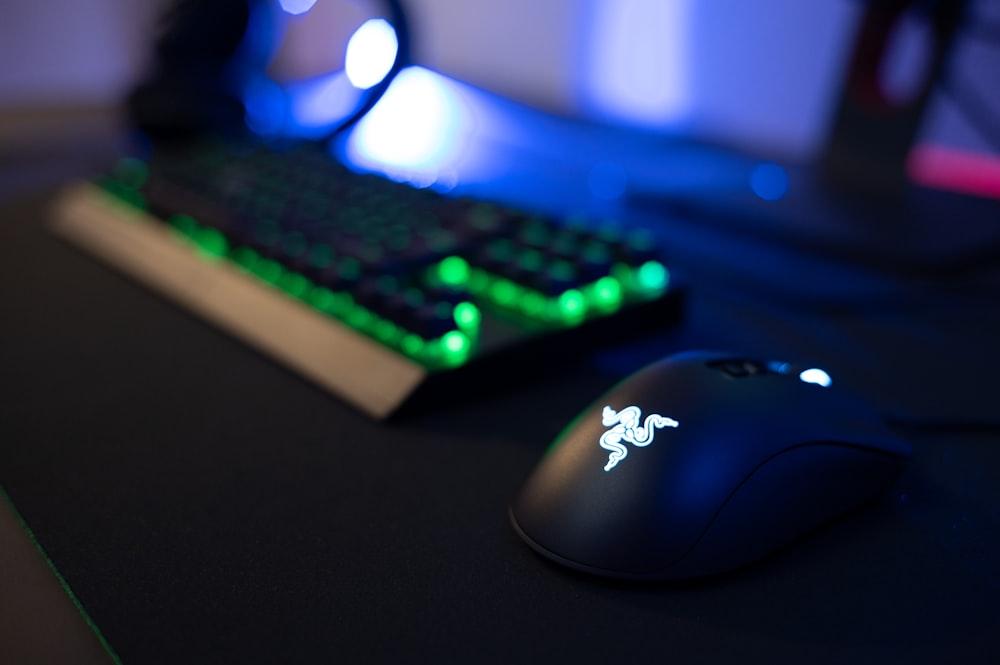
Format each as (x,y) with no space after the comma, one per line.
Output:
(739,368)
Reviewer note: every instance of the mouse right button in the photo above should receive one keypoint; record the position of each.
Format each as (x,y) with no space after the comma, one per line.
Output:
(786,497)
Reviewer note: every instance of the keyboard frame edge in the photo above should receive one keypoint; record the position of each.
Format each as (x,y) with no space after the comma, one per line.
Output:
(369,376)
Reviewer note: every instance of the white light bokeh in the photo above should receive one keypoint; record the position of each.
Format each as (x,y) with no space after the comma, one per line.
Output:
(371,52)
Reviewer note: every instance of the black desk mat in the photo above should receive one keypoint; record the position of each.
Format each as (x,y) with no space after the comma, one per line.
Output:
(206,505)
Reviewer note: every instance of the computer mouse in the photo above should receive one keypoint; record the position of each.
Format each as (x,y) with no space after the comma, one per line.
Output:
(701,463)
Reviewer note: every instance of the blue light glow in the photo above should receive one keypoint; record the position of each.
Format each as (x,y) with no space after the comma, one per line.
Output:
(264,103)
(817,376)
(779,367)
(607,181)
(415,127)
(296,7)
(769,181)
(370,53)
(637,70)
(906,66)
(323,102)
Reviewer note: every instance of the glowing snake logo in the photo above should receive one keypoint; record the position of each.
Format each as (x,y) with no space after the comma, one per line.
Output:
(625,426)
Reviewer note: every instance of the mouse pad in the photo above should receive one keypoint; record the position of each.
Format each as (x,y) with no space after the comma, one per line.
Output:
(207,506)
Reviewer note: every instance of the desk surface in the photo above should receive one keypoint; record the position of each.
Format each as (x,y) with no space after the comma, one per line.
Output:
(206,505)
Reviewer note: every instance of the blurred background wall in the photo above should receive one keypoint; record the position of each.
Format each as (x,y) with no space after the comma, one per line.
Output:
(72,52)
(758,74)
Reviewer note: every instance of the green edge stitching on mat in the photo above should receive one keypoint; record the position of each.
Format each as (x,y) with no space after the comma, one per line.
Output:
(60,578)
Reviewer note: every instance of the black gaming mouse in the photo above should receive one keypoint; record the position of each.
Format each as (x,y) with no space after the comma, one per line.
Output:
(702,463)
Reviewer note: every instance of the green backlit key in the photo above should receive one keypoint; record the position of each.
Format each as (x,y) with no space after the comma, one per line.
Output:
(440,281)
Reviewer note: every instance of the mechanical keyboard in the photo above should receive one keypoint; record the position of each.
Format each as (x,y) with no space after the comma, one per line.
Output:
(367,286)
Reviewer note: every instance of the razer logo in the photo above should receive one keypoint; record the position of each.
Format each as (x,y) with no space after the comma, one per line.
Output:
(625,426)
